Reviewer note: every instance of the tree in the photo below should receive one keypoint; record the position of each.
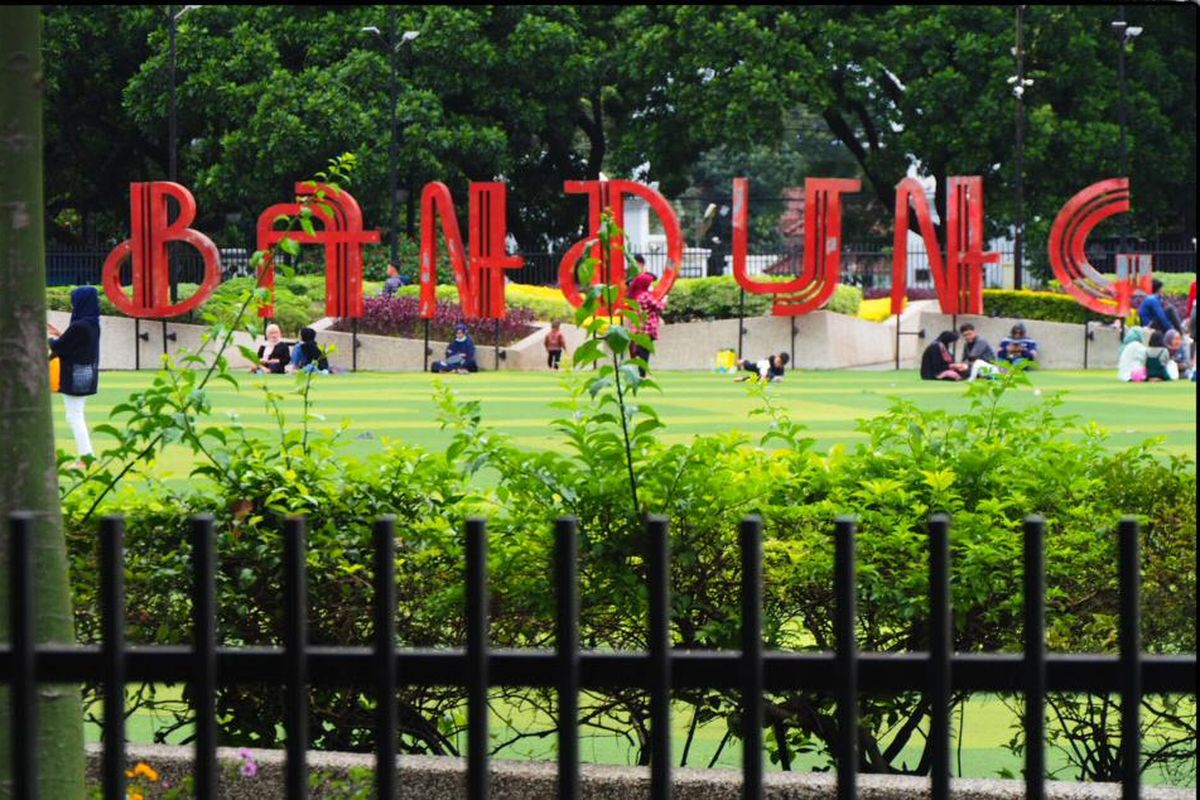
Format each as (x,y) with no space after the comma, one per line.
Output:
(26,430)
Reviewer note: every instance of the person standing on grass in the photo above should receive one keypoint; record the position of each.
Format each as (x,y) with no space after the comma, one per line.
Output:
(78,352)
(555,344)
(651,308)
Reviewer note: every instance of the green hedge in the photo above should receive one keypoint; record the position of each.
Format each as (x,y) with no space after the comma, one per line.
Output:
(718,298)
(1040,306)
(299,301)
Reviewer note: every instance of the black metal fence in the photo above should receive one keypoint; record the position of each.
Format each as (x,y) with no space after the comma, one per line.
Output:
(752,671)
(864,264)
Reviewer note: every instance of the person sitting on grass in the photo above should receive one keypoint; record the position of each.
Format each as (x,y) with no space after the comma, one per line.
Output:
(1018,348)
(937,362)
(1131,361)
(977,353)
(307,356)
(1159,366)
(766,370)
(555,344)
(460,354)
(275,355)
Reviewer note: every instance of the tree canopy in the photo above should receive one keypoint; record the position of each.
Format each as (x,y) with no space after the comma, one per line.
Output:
(536,95)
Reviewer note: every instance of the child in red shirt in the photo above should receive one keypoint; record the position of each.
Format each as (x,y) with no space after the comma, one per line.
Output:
(555,344)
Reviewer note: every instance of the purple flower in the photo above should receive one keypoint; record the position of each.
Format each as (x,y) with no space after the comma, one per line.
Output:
(249,767)
(401,316)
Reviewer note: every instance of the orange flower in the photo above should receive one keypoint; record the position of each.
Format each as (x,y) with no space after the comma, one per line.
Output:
(144,770)
(134,794)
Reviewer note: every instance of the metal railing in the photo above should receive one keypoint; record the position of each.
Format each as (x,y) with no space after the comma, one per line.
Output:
(751,671)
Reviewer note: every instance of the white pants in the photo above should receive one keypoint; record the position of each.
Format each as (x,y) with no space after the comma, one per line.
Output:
(981,367)
(75,406)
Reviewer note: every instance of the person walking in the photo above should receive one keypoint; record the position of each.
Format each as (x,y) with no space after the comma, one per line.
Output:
(78,352)
(651,309)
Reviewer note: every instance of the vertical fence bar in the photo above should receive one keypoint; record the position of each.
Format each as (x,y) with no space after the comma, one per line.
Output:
(112,610)
(204,653)
(295,642)
(385,657)
(566,638)
(1035,658)
(659,563)
(940,646)
(23,722)
(1131,657)
(846,659)
(752,659)
(477,660)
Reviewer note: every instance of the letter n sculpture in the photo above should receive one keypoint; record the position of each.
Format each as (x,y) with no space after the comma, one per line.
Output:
(480,277)
(958,278)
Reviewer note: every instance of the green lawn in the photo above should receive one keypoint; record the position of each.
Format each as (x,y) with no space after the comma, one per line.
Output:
(399,405)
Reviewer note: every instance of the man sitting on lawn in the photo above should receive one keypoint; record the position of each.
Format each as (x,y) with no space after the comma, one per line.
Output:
(460,354)
(1018,348)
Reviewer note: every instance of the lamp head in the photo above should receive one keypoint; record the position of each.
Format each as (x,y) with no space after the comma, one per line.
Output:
(408,36)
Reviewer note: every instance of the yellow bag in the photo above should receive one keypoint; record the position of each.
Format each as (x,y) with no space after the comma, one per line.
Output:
(55,373)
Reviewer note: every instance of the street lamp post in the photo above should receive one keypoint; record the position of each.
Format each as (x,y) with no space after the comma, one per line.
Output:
(393,47)
(1019,84)
(1125,33)
(172,135)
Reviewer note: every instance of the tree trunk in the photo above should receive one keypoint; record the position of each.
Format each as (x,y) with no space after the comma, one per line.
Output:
(26,426)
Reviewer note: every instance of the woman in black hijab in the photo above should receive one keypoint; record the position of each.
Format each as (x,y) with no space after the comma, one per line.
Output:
(78,351)
(937,362)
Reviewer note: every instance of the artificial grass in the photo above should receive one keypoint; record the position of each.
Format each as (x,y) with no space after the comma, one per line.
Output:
(400,406)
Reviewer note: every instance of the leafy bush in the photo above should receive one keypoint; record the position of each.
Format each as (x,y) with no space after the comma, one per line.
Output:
(299,301)
(719,298)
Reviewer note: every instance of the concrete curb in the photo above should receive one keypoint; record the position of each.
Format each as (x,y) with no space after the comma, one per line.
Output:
(444,778)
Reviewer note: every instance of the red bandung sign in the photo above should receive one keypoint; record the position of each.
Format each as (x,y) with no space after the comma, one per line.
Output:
(480,271)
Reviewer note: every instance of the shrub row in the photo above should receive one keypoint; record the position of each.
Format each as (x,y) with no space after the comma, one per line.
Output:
(988,464)
(720,298)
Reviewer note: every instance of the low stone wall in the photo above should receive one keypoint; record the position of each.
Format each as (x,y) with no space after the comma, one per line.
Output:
(1061,345)
(443,778)
(823,340)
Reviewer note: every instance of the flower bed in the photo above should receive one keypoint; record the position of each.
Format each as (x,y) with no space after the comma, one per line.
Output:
(400,316)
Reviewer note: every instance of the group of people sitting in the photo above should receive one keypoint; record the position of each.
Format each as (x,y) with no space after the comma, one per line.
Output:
(978,359)
(1159,349)
(278,357)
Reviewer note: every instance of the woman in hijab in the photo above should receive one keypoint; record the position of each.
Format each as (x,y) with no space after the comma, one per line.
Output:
(78,352)
(937,362)
(1131,363)
(651,308)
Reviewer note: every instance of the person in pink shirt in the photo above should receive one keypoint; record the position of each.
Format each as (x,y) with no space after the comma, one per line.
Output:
(651,308)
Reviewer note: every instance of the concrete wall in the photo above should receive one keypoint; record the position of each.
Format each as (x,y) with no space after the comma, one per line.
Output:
(823,340)
(1060,344)
(443,778)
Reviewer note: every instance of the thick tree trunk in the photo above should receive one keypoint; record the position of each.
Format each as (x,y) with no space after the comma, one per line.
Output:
(26,427)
